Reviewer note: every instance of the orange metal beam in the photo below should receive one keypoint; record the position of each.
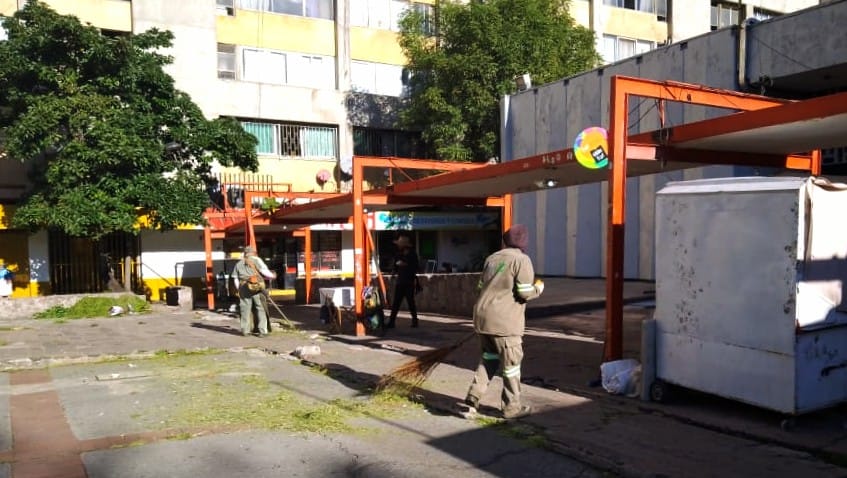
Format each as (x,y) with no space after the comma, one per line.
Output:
(360,264)
(443,201)
(307,258)
(779,113)
(621,89)
(815,166)
(733,158)
(210,272)
(619,107)
(551,159)
(406,163)
(694,94)
(507,214)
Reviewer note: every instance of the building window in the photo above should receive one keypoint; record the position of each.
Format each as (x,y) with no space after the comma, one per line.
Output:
(833,156)
(724,15)
(312,71)
(263,66)
(428,12)
(376,78)
(295,141)
(617,48)
(277,67)
(386,14)
(305,8)
(382,142)
(763,14)
(657,7)
(226,61)
(226,7)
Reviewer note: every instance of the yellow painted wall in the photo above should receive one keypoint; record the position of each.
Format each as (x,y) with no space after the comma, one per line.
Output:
(14,252)
(108,14)
(633,24)
(380,46)
(6,213)
(278,32)
(581,13)
(8,7)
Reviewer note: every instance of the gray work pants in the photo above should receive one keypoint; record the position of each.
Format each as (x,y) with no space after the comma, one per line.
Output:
(247,300)
(503,354)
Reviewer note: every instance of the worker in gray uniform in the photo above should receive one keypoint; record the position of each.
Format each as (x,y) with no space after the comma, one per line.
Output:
(506,284)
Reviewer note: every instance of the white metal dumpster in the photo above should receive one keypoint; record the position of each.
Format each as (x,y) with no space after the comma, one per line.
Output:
(749,284)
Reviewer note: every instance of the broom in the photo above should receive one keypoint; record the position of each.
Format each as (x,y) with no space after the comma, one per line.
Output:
(284,319)
(414,373)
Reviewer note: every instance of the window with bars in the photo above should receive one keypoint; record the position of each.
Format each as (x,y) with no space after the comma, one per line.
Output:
(294,140)
(724,15)
(324,9)
(382,142)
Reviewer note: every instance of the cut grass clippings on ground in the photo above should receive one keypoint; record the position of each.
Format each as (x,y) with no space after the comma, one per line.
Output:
(91,307)
(521,432)
(207,392)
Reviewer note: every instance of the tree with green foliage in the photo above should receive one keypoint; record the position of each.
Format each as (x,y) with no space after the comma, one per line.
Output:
(457,76)
(105,135)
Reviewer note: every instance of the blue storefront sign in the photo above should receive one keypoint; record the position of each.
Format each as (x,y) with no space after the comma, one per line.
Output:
(405,220)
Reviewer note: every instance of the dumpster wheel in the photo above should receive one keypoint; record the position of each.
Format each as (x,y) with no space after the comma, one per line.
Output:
(788,423)
(659,391)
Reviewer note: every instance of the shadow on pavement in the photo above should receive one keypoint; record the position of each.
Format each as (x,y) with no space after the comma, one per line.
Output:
(217,328)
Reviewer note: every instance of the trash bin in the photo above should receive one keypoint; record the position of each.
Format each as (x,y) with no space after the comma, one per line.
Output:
(180,296)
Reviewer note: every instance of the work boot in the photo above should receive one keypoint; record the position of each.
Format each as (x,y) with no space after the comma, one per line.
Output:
(521,412)
(469,408)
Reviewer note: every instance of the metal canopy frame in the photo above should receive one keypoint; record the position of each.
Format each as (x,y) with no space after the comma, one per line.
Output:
(763,132)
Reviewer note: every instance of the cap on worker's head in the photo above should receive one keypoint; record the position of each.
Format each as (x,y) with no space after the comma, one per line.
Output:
(517,236)
(249,250)
(403,241)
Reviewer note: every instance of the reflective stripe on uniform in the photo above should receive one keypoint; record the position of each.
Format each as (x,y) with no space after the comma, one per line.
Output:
(490,356)
(512,371)
(525,287)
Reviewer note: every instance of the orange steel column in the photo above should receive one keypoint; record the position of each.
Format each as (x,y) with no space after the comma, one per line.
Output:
(250,233)
(507,212)
(360,266)
(816,163)
(307,258)
(210,272)
(613,347)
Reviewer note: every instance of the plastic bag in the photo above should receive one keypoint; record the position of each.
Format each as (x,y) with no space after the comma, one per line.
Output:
(619,377)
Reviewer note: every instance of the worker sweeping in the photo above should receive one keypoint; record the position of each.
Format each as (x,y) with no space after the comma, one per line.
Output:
(506,284)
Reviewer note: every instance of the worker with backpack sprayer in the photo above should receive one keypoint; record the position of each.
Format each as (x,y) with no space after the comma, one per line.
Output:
(251,273)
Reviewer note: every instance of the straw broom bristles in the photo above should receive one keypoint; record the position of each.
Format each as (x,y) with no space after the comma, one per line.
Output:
(414,373)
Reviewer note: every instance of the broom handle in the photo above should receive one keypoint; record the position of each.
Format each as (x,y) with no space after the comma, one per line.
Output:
(378,272)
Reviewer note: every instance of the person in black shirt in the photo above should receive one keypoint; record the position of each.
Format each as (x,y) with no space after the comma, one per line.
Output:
(406,282)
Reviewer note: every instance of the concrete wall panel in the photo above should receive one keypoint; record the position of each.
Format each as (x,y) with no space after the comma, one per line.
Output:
(797,43)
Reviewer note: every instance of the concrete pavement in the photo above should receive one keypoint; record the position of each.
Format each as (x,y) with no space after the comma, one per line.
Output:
(697,435)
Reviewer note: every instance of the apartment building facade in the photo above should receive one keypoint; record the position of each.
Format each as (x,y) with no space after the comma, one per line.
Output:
(316,81)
